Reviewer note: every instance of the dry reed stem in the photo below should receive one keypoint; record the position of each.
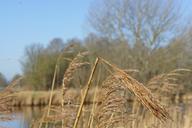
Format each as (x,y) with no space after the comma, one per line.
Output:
(141,92)
(85,92)
(51,93)
(53,84)
(90,120)
(52,88)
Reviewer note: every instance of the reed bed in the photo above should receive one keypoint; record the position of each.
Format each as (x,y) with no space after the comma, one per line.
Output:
(111,107)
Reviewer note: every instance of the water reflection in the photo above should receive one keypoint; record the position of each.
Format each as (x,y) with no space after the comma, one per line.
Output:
(23,117)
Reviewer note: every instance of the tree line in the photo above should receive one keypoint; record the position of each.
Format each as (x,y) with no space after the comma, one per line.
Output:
(39,64)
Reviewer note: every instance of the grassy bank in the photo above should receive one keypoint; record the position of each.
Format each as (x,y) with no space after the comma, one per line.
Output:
(41,98)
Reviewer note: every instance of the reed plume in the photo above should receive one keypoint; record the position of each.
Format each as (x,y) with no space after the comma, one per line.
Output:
(112,111)
(143,94)
(167,84)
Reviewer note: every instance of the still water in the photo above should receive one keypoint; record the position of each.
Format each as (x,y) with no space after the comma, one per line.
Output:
(22,117)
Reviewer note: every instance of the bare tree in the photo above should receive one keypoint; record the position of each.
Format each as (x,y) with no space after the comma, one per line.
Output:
(150,22)
(55,46)
(32,53)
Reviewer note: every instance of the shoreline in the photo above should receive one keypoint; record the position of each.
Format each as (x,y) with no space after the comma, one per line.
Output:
(41,98)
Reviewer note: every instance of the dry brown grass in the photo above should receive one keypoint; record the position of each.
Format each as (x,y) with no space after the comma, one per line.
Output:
(6,99)
(112,112)
(167,84)
(141,92)
(113,108)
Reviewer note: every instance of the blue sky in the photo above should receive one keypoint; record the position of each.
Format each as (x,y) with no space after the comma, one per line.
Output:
(23,22)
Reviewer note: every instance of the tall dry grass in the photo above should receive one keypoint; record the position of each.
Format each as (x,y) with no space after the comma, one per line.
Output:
(112,109)
(6,100)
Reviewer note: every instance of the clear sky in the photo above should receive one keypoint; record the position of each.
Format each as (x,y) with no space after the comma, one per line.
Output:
(23,22)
